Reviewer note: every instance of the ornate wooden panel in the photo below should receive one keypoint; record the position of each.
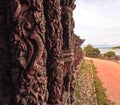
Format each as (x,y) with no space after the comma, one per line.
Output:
(68,46)
(38,52)
(28,52)
(54,45)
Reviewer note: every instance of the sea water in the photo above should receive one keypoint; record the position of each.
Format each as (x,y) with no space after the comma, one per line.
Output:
(104,50)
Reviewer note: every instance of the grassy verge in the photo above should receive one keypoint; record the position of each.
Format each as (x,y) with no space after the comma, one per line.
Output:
(84,66)
(83,74)
(100,90)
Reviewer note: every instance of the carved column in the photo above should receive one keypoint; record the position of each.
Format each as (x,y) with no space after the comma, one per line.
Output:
(77,50)
(54,46)
(28,54)
(68,47)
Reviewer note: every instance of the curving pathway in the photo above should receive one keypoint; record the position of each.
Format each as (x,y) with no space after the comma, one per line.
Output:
(109,73)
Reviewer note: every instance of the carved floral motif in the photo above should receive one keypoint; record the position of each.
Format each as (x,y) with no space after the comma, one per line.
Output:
(30,75)
(54,45)
(28,52)
(68,46)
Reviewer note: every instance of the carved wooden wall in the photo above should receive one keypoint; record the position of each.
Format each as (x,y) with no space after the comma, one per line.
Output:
(28,52)
(68,42)
(36,52)
(54,50)
(78,55)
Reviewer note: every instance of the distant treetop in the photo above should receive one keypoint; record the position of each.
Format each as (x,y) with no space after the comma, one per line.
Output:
(90,51)
(116,47)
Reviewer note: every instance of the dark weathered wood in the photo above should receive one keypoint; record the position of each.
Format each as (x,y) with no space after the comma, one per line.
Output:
(30,75)
(68,46)
(78,55)
(28,52)
(54,45)
(5,80)
(67,23)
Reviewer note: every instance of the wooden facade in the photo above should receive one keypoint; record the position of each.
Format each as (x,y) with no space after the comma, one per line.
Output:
(39,52)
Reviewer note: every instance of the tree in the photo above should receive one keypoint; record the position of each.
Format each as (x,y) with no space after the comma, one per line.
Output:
(90,51)
(110,54)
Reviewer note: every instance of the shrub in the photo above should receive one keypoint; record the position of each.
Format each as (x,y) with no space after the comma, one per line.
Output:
(90,51)
(110,54)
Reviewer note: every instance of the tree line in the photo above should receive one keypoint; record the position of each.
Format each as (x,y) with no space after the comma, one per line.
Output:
(91,51)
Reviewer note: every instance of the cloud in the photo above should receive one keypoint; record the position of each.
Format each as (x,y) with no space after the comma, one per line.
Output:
(98,21)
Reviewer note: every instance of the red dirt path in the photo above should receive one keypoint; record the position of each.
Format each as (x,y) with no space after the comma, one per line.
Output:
(109,73)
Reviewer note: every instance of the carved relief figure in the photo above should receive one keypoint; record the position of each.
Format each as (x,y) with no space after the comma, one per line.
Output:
(54,45)
(28,52)
(68,47)
(38,55)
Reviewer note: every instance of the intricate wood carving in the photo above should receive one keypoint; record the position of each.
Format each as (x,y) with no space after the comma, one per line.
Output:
(68,46)
(28,52)
(54,46)
(78,55)
(25,35)
(67,22)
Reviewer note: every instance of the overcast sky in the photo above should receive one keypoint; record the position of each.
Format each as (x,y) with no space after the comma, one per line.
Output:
(98,21)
